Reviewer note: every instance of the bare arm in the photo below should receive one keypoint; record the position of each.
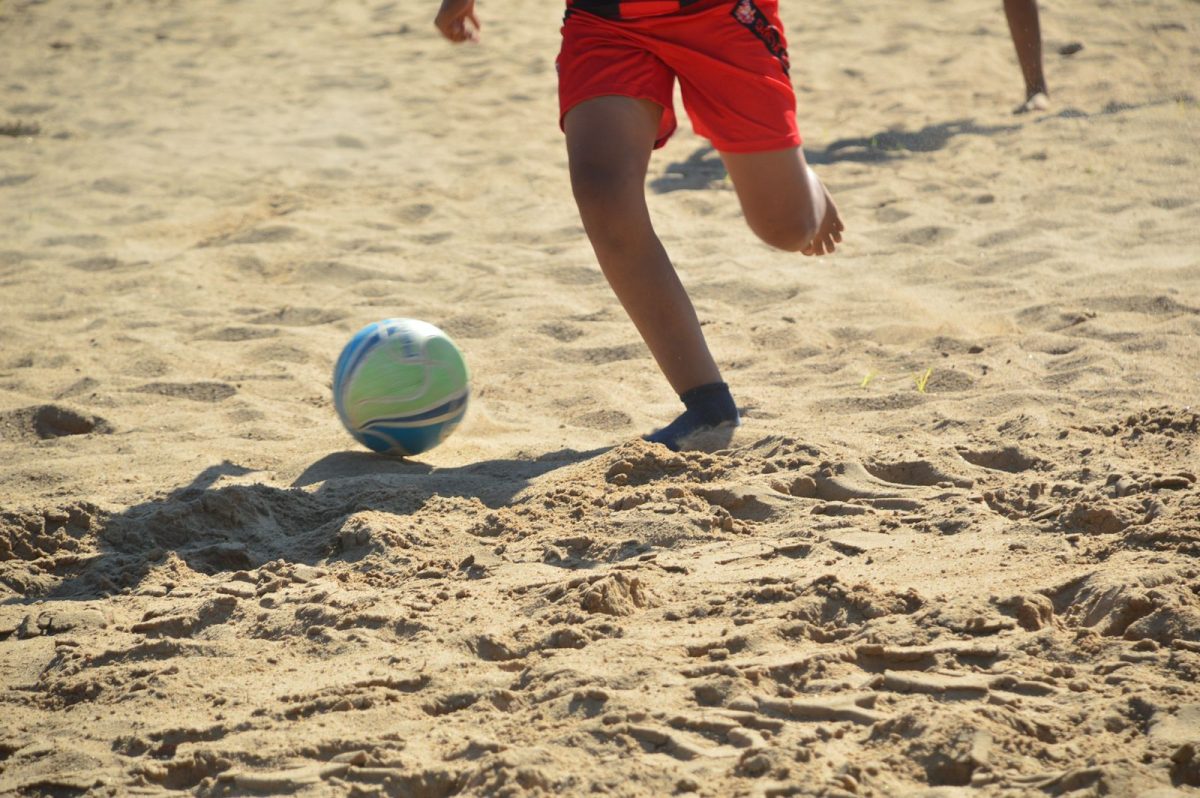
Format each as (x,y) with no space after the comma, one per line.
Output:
(456,20)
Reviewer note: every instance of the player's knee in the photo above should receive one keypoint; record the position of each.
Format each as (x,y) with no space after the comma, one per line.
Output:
(598,178)
(790,235)
(606,196)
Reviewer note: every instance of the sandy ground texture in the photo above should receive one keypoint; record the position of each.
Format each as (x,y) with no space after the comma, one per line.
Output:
(951,552)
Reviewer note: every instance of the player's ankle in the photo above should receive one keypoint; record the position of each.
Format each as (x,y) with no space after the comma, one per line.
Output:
(712,403)
(708,407)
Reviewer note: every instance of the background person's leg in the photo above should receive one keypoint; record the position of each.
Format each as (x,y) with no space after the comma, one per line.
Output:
(609,141)
(784,202)
(1026,31)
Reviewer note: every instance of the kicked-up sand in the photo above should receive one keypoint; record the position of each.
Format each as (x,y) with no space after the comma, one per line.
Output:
(951,552)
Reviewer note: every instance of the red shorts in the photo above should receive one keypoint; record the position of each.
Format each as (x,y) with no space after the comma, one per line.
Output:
(730,59)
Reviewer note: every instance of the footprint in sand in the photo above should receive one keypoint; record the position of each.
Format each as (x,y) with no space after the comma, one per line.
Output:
(271,234)
(108,186)
(18,129)
(576,275)
(278,352)
(603,420)
(745,504)
(560,331)
(1157,605)
(163,743)
(948,381)
(852,481)
(298,317)
(472,325)
(1051,344)
(1006,263)
(81,241)
(415,212)
(747,293)
(1009,459)
(30,109)
(602,354)
(1053,318)
(342,142)
(1001,237)
(138,214)
(187,621)
(44,422)
(873,404)
(359,81)
(430,239)
(237,334)
(100,263)
(926,236)
(888,214)
(78,388)
(1172,203)
(194,391)
(617,594)
(920,473)
(1150,305)
(338,273)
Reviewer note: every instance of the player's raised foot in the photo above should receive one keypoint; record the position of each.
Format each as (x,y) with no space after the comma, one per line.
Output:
(710,412)
(1037,102)
(830,233)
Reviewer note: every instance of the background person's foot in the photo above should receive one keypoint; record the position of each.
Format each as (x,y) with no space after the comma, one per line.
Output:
(1037,102)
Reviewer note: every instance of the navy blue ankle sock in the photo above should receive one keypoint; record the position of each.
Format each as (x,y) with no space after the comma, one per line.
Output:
(708,407)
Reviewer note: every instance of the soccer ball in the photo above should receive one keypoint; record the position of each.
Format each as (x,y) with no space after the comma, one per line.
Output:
(400,386)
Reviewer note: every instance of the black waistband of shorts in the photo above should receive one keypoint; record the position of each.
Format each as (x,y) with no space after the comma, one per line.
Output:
(611,9)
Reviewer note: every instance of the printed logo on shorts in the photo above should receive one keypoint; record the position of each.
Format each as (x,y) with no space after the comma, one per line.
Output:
(752,17)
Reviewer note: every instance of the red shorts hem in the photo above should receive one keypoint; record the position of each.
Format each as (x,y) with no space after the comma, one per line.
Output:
(664,133)
(767,145)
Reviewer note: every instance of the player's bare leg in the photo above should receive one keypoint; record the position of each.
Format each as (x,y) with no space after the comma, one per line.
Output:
(785,203)
(1025,28)
(609,141)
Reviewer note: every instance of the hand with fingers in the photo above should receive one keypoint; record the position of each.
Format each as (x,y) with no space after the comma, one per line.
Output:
(457,22)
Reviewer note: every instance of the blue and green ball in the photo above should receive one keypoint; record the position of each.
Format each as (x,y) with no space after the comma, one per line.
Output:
(400,386)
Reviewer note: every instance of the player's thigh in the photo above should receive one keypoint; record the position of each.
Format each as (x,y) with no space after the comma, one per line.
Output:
(775,192)
(609,141)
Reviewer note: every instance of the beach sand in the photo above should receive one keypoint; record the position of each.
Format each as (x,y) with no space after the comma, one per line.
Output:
(952,551)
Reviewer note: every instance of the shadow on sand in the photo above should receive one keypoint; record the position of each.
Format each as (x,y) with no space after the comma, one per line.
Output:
(889,144)
(214,527)
(703,169)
